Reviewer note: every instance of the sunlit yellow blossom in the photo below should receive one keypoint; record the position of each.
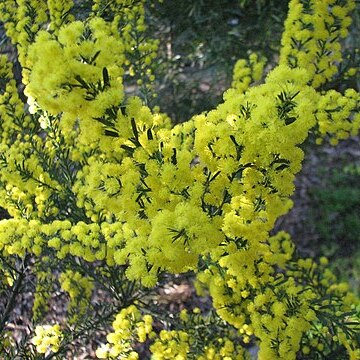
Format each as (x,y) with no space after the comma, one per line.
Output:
(47,338)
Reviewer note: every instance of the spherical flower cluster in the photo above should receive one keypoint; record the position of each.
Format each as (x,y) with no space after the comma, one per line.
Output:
(59,13)
(338,116)
(280,315)
(10,105)
(171,345)
(22,20)
(311,39)
(47,338)
(77,72)
(202,340)
(247,71)
(128,326)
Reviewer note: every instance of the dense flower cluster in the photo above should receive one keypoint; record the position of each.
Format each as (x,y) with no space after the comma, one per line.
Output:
(248,71)
(127,325)
(311,37)
(280,314)
(92,176)
(47,338)
(193,339)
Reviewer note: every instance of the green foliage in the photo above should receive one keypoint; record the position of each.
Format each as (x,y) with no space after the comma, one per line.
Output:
(200,42)
(338,203)
(337,221)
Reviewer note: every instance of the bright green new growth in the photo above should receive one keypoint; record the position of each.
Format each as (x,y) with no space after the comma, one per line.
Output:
(102,191)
